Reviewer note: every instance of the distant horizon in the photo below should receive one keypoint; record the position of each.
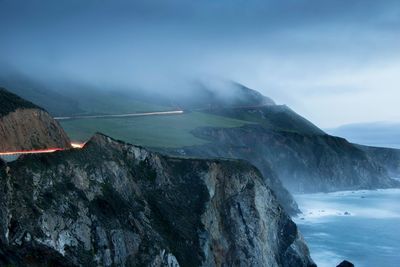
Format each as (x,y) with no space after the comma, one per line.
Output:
(379,134)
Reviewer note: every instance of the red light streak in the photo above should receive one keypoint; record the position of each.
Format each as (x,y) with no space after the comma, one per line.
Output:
(47,150)
(39,151)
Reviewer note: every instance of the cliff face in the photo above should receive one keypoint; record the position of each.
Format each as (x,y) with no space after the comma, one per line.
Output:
(23,126)
(389,158)
(225,146)
(29,129)
(303,162)
(117,204)
(305,158)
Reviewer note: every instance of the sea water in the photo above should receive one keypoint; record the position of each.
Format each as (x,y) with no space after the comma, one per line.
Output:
(360,226)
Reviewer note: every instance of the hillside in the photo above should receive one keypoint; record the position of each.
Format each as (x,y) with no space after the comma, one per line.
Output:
(305,158)
(73,98)
(25,126)
(150,131)
(211,95)
(304,163)
(114,204)
(389,158)
(10,102)
(45,96)
(242,124)
(272,117)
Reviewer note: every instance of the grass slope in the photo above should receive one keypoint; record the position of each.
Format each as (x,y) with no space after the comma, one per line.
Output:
(150,131)
(109,102)
(275,117)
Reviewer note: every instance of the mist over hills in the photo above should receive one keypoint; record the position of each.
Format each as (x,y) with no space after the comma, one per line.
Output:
(237,107)
(66,98)
(188,132)
(240,123)
(303,53)
(290,153)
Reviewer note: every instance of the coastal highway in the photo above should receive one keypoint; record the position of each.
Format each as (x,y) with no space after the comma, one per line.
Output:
(155,113)
(12,155)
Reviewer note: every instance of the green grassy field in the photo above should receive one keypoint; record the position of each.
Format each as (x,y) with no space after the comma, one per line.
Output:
(276,117)
(150,131)
(116,104)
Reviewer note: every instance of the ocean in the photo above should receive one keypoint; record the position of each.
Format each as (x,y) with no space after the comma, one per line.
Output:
(362,227)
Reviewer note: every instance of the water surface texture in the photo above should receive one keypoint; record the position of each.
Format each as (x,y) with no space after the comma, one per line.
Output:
(360,226)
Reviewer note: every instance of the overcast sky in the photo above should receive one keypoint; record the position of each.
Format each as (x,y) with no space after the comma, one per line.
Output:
(334,62)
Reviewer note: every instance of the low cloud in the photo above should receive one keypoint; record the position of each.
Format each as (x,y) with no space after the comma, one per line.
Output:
(332,61)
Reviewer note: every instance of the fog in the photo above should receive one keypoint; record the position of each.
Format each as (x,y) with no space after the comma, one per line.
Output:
(335,62)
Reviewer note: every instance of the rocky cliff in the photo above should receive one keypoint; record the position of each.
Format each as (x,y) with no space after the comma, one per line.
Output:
(225,146)
(303,156)
(389,158)
(24,126)
(114,204)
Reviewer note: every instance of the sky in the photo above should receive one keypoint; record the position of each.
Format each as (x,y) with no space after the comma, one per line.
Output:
(335,62)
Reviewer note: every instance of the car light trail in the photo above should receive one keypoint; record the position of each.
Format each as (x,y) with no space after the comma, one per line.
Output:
(77,145)
(37,151)
(40,151)
(155,113)
(81,145)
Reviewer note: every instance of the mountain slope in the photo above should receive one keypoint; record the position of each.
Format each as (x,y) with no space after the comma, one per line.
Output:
(45,96)
(304,157)
(304,163)
(273,117)
(116,204)
(25,126)
(71,98)
(202,95)
(389,158)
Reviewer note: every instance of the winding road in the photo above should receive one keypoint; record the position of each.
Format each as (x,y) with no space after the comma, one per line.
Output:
(11,155)
(155,113)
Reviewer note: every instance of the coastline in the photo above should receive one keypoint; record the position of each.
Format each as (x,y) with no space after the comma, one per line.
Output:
(358,225)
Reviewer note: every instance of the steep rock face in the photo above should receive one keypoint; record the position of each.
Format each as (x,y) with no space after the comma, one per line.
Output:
(303,162)
(28,129)
(114,204)
(24,126)
(389,158)
(229,148)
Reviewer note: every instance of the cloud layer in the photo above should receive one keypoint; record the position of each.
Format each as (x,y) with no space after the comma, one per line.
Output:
(335,62)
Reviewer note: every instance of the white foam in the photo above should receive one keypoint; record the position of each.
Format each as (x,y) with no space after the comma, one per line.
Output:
(326,258)
(347,204)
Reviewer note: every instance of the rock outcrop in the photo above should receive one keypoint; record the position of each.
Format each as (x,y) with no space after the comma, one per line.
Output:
(304,163)
(304,158)
(389,158)
(24,126)
(345,264)
(114,204)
